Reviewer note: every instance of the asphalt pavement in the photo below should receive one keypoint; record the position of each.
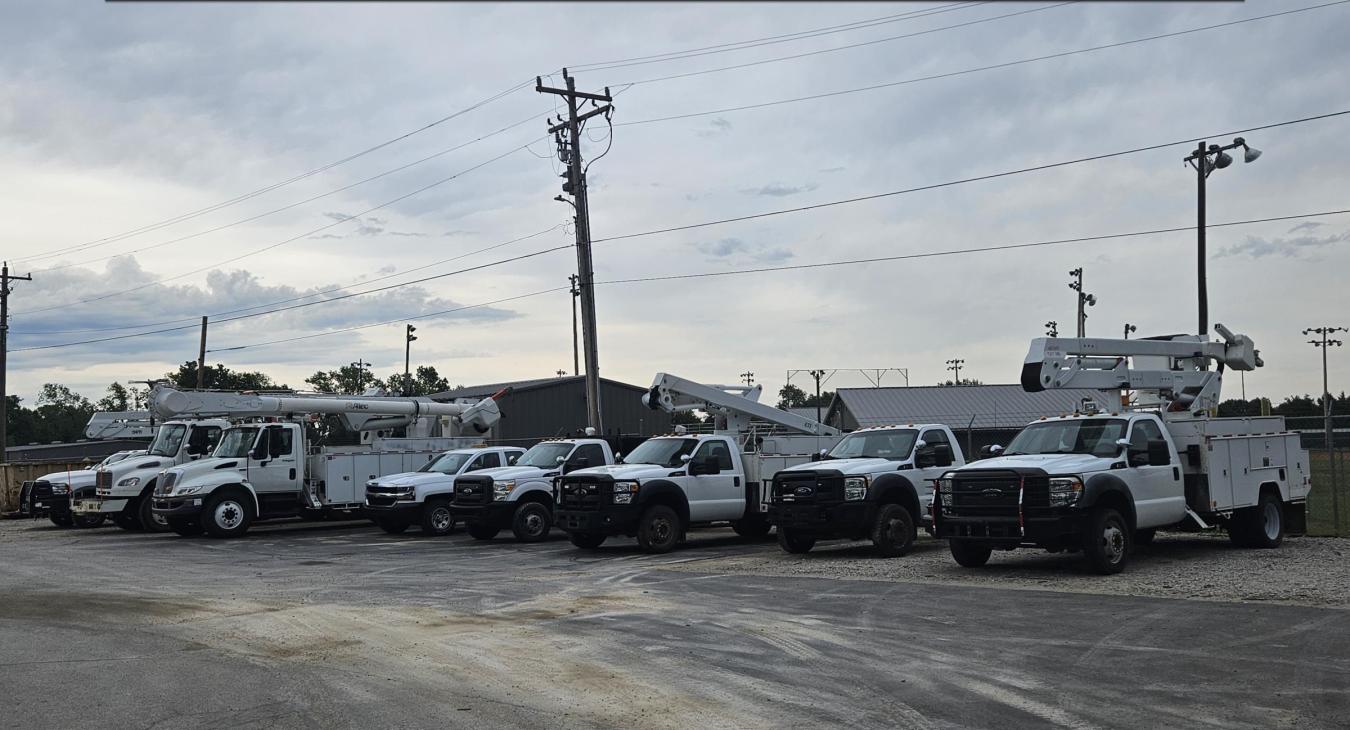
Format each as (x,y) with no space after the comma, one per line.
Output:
(340,625)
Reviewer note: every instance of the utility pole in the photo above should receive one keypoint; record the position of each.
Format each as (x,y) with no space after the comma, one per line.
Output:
(955,366)
(407,359)
(569,151)
(1201,160)
(1128,329)
(576,358)
(201,358)
(5,279)
(748,377)
(360,366)
(1323,342)
(817,374)
(1084,300)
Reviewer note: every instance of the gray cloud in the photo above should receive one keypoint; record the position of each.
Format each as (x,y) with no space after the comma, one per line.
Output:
(1306,226)
(779,190)
(740,251)
(716,126)
(1257,247)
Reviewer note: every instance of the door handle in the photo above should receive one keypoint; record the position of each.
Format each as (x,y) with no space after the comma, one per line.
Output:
(292,476)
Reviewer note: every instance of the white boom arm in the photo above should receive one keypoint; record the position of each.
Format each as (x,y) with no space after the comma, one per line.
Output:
(737,403)
(119,425)
(170,403)
(1174,368)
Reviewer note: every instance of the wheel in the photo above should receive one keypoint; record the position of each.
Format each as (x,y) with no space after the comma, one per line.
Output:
(227,515)
(87,521)
(150,522)
(1107,542)
(893,533)
(482,531)
(127,520)
(392,525)
(437,519)
(532,522)
(795,542)
(969,554)
(1264,523)
(185,526)
(659,529)
(1144,537)
(62,519)
(754,527)
(587,540)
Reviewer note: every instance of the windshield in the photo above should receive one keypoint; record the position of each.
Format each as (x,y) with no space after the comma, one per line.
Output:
(662,452)
(893,445)
(235,442)
(1095,436)
(168,440)
(447,463)
(545,456)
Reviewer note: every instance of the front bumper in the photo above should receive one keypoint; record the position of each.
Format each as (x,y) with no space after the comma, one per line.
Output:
(182,507)
(409,510)
(98,505)
(497,514)
(42,506)
(830,519)
(1061,528)
(618,519)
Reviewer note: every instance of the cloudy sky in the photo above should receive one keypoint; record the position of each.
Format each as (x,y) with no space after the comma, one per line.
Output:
(156,159)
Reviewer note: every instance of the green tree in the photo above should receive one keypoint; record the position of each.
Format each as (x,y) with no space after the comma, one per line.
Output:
(347,380)
(425,381)
(221,377)
(118,398)
(963,381)
(61,414)
(790,396)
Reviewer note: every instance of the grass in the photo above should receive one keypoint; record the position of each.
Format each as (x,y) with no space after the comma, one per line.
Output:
(1320,520)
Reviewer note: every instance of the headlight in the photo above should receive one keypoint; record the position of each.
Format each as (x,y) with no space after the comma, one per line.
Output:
(943,485)
(1065,491)
(855,488)
(407,494)
(184,491)
(60,489)
(501,490)
(624,491)
(129,482)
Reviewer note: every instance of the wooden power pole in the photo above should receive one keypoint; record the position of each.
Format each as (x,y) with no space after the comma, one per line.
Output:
(5,279)
(201,358)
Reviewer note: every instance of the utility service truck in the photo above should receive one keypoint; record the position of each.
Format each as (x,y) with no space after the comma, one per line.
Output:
(520,497)
(669,483)
(51,495)
(876,484)
(423,497)
(267,466)
(1104,479)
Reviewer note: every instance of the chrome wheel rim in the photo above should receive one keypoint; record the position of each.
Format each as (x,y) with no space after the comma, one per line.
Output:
(534,523)
(441,519)
(661,530)
(1270,520)
(1113,542)
(229,514)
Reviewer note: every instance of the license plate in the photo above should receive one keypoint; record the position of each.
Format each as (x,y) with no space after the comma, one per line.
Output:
(87,506)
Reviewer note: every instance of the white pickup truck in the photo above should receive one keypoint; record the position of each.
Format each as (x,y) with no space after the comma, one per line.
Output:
(520,497)
(876,484)
(423,497)
(52,494)
(666,485)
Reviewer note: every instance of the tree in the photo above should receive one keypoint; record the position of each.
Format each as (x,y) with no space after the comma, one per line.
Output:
(220,377)
(425,381)
(962,381)
(790,396)
(348,380)
(61,414)
(117,399)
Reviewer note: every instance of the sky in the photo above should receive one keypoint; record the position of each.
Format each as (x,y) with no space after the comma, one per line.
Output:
(156,160)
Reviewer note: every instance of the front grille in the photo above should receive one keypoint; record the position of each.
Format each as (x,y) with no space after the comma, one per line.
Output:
(1005,494)
(103,479)
(42,489)
(166,482)
(473,490)
(807,488)
(583,494)
(385,496)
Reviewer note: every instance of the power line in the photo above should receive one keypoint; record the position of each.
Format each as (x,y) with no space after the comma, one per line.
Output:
(962,181)
(978,69)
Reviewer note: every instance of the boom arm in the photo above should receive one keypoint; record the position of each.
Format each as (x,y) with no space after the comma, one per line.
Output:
(170,403)
(671,393)
(119,425)
(1175,368)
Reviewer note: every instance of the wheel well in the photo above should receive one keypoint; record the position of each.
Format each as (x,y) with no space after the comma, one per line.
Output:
(898,494)
(1273,489)
(536,495)
(669,499)
(241,491)
(1120,503)
(149,486)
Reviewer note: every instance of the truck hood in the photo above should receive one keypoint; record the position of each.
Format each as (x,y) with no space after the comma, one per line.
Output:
(76,479)
(627,471)
(1051,463)
(503,473)
(847,466)
(133,464)
(416,479)
(200,467)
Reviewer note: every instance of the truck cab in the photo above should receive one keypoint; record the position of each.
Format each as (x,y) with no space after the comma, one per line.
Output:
(664,486)
(875,484)
(520,497)
(52,495)
(123,489)
(423,497)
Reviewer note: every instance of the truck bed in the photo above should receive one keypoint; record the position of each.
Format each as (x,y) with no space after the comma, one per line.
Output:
(1228,460)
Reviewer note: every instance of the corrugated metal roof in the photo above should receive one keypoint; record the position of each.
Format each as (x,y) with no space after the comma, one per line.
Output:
(808,412)
(483,391)
(990,406)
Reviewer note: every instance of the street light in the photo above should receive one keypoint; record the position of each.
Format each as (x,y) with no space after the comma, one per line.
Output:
(360,366)
(1128,329)
(407,359)
(1205,160)
(1084,300)
(1323,342)
(955,366)
(1052,328)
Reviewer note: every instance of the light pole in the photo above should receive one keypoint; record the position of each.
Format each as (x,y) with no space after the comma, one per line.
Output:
(1084,300)
(407,359)
(1207,159)
(817,374)
(360,366)
(1323,342)
(1052,328)
(748,377)
(1128,329)
(955,366)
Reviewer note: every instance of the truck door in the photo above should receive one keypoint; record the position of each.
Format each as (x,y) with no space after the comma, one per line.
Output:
(201,442)
(1159,494)
(272,466)
(719,496)
(930,462)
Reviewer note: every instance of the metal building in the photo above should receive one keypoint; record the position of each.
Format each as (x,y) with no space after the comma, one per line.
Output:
(94,451)
(556,407)
(980,415)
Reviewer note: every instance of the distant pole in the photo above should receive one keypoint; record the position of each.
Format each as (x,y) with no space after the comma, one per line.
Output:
(1085,300)
(407,359)
(1205,160)
(201,359)
(1128,329)
(5,279)
(817,374)
(748,377)
(955,366)
(1052,328)
(1323,342)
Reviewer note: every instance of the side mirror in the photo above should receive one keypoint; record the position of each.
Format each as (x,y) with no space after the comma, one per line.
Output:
(560,460)
(942,455)
(1158,453)
(685,458)
(920,444)
(989,451)
(258,452)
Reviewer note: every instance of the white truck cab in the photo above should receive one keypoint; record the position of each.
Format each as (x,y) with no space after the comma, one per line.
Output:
(520,497)
(54,494)
(423,497)
(124,488)
(876,484)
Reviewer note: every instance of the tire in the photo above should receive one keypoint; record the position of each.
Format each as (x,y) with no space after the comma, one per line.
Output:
(482,531)
(61,520)
(969,554)
(1264,523)
(659,530)
(532,522)
(186,526)
(1107,542)
(127,521)
(1144,537)
(391,525)
(437,518)
(85,522)
(795,542)
(150,522)
(228,514)
(893,532)
(587,540)
(752,528)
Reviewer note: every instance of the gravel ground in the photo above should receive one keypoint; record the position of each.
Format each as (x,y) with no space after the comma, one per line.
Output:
(1303,571)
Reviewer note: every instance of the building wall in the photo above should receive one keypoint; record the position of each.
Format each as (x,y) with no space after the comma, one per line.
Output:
(554,411)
